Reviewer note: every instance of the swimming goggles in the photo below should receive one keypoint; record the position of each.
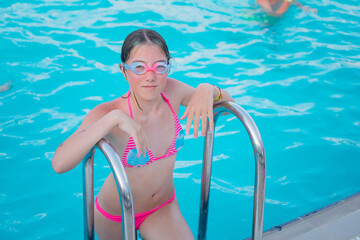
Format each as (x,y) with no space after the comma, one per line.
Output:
(141,68)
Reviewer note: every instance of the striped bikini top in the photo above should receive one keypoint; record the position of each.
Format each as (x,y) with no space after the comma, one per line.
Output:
(129,158)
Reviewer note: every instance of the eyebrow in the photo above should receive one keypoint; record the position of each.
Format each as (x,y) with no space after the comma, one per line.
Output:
(144,61)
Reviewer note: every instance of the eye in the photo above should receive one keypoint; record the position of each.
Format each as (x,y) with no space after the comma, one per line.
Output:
(138,67)
(161,67)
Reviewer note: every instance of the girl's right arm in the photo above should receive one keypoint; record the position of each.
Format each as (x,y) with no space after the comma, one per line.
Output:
(72,151)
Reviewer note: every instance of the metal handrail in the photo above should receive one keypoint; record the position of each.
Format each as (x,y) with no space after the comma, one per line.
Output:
(260,169)
(123,186)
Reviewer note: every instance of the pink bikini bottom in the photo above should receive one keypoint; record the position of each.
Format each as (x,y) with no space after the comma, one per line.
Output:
(139,217)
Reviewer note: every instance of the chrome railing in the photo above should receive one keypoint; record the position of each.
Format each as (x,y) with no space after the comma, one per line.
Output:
(125,195)
(260,169)
(123,186)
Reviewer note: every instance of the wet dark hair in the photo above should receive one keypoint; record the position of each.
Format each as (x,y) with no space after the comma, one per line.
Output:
(138,37)
(143,36)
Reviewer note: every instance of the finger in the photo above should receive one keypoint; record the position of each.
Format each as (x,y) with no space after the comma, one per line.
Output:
(140,142)
(188,123)
(211,120)
(203,124)
(196,125)
(137,146)
(145,145)
(185,114)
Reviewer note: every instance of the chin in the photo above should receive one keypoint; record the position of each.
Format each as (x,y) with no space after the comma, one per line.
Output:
(149,94)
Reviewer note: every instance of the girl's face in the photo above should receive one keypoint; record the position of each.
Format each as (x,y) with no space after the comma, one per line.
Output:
(150,84)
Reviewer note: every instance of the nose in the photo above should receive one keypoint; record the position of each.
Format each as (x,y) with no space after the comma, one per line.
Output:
(150,76)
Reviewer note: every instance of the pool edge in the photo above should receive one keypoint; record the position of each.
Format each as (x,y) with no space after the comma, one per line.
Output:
(336,221)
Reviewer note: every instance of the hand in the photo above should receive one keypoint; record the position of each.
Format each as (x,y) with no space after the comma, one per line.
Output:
(128,125)
(200,107)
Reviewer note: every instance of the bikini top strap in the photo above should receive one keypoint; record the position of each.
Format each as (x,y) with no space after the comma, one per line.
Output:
(162,94)
(168,102)
(128,101)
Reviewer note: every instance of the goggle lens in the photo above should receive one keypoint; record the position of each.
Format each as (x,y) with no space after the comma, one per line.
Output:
(141,68)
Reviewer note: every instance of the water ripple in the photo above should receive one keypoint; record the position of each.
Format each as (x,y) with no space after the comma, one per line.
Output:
(342,141)
(262,106)
(53,92)
(302,65)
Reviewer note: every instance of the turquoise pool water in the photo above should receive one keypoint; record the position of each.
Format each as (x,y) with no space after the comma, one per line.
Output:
(297,76)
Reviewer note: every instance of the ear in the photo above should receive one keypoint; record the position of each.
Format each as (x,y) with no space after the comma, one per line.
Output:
(122,69)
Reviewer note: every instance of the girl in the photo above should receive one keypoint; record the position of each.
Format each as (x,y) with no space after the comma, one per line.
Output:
(277,8)
(144,128)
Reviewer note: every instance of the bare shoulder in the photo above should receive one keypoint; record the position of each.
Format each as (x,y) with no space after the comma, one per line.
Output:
(101,110)
(178,91)
(173,83)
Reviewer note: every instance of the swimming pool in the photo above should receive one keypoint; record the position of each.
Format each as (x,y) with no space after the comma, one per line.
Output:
(297,76)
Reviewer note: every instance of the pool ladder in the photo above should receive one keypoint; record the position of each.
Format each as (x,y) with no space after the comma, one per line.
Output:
(125,195)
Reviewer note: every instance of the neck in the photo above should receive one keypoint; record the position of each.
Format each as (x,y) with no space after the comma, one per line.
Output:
(143,107)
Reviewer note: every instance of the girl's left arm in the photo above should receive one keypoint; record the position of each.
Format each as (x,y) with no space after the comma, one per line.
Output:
(199,103)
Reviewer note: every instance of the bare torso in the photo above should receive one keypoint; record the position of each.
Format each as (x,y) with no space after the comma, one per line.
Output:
(270,4)
(151,184)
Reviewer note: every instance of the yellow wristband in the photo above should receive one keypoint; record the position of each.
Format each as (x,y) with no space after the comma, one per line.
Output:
(290,1)
(220,94)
